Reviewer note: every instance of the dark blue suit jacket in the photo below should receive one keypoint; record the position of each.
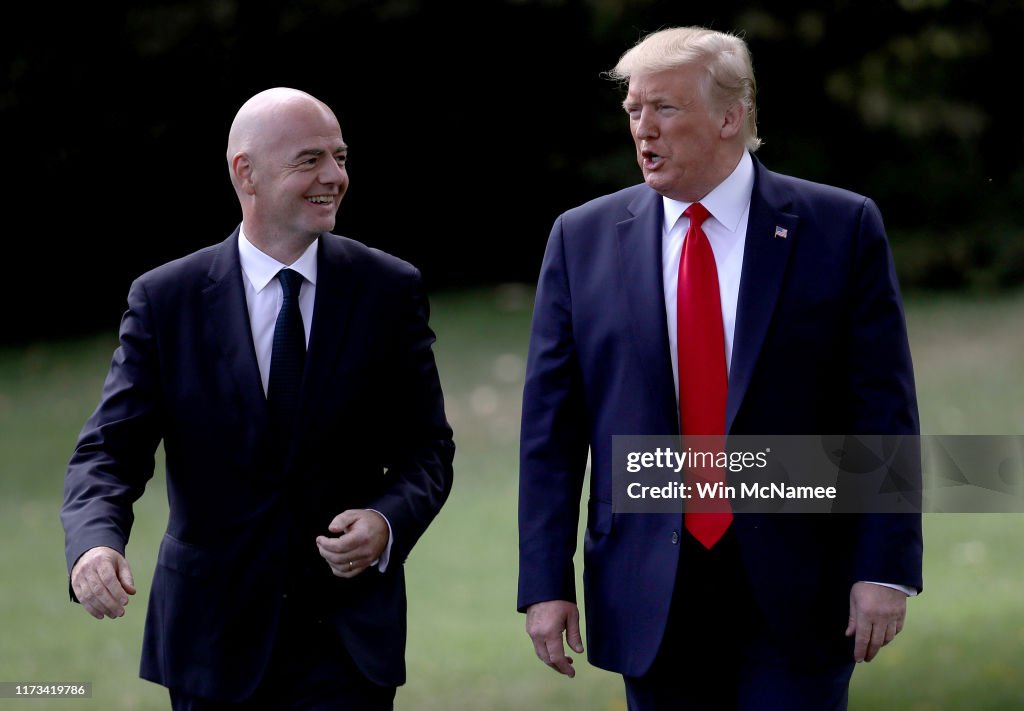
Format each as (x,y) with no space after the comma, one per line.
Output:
(242,528)
(820,348)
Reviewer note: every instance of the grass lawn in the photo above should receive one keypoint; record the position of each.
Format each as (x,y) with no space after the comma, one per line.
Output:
(962,649)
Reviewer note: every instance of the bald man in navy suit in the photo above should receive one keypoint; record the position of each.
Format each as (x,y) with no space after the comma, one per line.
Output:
(803,333)
(288,372)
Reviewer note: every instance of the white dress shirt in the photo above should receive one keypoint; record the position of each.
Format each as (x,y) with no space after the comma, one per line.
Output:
(726,230)
(263,297)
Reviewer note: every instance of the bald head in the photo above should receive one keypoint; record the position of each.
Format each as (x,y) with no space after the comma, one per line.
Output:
(259,122)
(286,158)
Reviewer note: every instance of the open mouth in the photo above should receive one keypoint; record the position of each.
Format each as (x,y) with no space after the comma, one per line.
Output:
(320,199)
(651,159)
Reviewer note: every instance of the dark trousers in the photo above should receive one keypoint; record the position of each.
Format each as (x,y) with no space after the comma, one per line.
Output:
(309,671)
(718,655)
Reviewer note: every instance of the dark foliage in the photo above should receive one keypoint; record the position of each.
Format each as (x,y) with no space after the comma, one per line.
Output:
(473,124)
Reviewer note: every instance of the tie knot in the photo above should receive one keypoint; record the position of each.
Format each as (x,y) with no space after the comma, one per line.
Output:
(291,282)
(697,214)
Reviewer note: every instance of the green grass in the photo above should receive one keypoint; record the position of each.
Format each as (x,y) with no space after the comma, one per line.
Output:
(962,648)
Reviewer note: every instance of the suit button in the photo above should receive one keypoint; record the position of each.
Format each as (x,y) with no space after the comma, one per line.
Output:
(675,538)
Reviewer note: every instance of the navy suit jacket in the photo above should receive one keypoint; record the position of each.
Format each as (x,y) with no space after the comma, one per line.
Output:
(241,532)
(820,347)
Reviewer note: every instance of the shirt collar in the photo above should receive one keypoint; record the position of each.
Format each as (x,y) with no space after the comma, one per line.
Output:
(726,203)
(260,268)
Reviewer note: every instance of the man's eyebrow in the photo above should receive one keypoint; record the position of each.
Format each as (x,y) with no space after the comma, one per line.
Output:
(308,153)
(317,152)
(650,99)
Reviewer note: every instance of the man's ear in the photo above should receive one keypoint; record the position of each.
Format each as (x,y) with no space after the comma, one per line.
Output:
(242,173)
(732,120)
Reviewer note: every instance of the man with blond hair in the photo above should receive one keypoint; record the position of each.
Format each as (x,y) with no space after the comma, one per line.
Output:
(716,298)
(289,373)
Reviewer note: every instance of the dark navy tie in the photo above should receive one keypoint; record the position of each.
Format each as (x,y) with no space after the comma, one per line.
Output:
(287,358)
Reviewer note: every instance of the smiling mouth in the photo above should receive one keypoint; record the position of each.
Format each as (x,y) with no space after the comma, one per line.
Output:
(321,199)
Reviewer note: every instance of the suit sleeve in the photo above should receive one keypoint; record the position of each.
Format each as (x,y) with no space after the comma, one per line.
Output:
(884,401)
(421,450)
(553,441)
(114,456)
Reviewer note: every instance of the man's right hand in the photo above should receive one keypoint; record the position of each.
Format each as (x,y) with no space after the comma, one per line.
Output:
(545,623)
(102,581)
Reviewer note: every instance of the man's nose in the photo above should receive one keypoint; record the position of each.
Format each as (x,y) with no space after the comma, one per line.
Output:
(332,172)
(646,125)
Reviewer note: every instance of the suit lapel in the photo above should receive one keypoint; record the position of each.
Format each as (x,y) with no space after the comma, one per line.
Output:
(771,232)
(226,327)
(332,313)
(640,272)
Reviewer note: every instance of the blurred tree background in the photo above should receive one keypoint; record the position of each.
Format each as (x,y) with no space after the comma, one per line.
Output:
(472,124)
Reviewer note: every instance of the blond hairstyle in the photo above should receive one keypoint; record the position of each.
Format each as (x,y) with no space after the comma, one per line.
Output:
(729,73)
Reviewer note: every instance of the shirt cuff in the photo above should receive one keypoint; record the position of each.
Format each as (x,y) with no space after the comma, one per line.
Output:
(908,591)
(385,557)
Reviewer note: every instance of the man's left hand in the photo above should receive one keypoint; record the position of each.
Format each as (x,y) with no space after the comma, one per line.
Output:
(876,617)
(362,537)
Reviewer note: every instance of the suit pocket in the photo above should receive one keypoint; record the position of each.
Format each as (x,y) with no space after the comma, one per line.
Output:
(184,558)
(599,517)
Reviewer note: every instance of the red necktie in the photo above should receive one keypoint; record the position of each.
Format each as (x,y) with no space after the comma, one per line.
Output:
(703,382)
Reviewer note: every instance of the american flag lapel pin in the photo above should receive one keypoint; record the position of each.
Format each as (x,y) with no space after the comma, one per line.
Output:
(781,232)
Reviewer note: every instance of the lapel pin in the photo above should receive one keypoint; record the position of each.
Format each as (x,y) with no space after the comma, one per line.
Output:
(781,232)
